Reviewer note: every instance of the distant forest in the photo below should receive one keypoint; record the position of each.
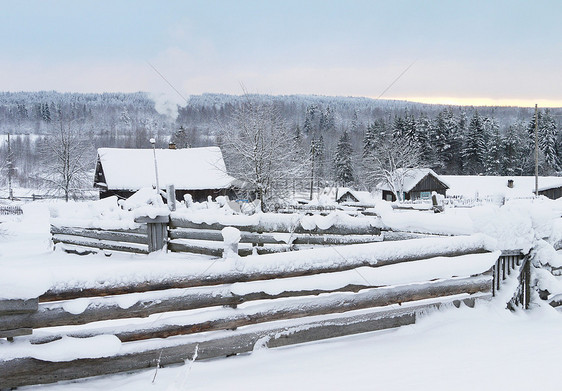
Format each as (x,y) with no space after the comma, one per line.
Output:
(449,139)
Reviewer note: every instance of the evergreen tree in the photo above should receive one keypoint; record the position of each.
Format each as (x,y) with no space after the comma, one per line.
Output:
(514,151)
(493,158)
(441,141)
(547,141)
(342,161)
(474,149)
(423,141)
(374,135)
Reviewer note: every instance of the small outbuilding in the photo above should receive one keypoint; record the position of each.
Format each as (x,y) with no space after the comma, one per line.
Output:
(346,195)
(415,183)
(200,172)
(553,192)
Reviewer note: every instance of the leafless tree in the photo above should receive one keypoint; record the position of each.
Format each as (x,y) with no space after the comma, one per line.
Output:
(260,151)
(66,160)
(390,163)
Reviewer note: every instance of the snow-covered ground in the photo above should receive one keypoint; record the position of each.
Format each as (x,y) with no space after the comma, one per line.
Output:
(485,348)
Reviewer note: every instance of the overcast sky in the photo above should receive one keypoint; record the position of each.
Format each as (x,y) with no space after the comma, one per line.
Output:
(496,52)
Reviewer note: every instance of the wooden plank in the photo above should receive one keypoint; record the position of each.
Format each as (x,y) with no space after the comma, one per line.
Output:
(292,309)
(9,307)
(234,276)
(28,371)
(94,243)
(116,236)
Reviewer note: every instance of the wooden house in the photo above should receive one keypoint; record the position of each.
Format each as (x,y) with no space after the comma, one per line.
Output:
(200,172)
(416,184)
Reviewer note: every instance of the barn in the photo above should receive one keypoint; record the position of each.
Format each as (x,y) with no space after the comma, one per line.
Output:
(416,183)
(200,172)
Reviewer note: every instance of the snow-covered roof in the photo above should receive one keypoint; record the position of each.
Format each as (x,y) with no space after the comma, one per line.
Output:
(186,169)
(412,176)
(481,186)
(364,197)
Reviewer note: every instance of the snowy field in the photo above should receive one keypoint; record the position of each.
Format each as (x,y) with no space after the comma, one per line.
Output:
(485,348)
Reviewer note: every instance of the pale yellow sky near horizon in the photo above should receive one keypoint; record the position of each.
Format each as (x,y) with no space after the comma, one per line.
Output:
(456,101)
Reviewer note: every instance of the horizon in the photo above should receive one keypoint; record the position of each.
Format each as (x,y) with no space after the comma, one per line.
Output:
(440,101)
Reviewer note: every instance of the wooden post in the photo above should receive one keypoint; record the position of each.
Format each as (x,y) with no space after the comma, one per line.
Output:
(157,232)
(498,275)
(503,259)
(171,194)
(231,238)
(527,286)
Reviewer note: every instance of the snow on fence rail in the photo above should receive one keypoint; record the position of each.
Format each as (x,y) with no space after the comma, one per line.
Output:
(275,300)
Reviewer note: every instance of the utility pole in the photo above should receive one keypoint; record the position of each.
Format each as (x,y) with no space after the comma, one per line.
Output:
(153,142)
(10,168)
(536,151)
(313,152)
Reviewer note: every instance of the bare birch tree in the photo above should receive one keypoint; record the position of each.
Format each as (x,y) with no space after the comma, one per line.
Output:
(260,151)
(66,161)
(390,163)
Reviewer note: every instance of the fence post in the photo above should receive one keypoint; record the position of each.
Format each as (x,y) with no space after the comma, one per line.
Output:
(527,286)
(171,197)
(157,231)
(231,238)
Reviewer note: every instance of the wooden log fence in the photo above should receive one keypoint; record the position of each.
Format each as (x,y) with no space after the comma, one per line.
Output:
(181,235)
(228,313)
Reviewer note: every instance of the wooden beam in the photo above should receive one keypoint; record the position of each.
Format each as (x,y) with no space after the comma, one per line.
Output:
(336,229)
(272,238)
(116,236)
(290,309)
(102,245)
(234,276)
(16,332)
(10,307)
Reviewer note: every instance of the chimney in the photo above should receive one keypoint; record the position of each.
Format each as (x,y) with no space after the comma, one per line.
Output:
(510,183)
(172,145)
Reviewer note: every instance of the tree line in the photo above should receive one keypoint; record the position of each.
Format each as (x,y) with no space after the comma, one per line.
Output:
(319,140)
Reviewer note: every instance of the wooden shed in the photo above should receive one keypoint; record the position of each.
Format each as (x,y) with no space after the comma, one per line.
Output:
(200,172)
(346,195)
(552,192)
(416,184)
